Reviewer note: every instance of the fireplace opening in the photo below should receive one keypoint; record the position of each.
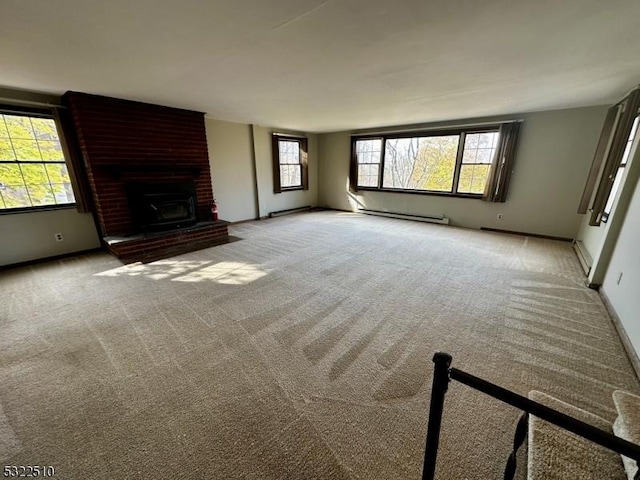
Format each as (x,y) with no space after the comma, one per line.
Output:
(162,206)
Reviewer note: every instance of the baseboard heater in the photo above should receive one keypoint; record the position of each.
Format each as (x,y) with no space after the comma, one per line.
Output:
(279,213)
(583,256)
(441,219)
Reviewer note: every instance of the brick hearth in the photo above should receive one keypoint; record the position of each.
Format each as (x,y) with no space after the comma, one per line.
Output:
(123,141)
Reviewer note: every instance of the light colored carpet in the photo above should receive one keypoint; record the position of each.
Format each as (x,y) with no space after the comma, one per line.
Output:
(556,454)
(302,351)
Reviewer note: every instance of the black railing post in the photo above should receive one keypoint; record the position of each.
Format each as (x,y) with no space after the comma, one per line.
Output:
(442,363)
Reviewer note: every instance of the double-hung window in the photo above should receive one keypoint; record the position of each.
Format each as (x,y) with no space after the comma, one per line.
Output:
(290,163)
(455,162)
(618,175)
(33,172)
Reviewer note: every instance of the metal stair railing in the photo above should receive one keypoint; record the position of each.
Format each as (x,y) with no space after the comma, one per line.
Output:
(444,373)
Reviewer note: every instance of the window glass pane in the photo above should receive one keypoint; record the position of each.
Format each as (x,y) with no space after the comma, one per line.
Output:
(63,193)
(420,163)
(57,173)
(612,196)
(6,150)
(51,151)
(368,175)
(473,178)
(26,150)
(369,151)
(480,147)
(14,196)
(632,136)
(4,133)
(290,176)
(45,129)
(10,175)
(289,152)
(41,195)
(34,173)
(19,127)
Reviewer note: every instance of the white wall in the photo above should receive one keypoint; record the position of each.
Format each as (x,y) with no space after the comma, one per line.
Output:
(30,236)
(624,296)
(552,163)
(274,202)
(232,169)
(600,240)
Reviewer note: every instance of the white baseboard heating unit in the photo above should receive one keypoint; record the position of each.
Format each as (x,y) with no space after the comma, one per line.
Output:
(441,219)
(583,256)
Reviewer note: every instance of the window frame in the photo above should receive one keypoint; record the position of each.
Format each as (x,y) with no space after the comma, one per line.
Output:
(628,109)
(303,162)
(629,149)
(461,132)
(49,115)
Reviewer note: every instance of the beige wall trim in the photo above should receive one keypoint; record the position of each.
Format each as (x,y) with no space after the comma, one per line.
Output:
(632,355)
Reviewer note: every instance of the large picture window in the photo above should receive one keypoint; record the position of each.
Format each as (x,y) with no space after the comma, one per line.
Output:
(456,162)
(33,172)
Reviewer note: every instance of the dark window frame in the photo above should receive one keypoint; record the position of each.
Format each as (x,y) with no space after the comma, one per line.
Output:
(303,162)
(618,136)
(34,112)
(624,161)
(461,132)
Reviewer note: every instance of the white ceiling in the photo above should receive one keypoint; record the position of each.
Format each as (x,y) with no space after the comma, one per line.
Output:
(326,65)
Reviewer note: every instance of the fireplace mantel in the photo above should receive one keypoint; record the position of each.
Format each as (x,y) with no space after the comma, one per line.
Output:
(117,169)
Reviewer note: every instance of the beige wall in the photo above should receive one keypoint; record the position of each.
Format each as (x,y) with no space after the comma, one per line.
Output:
(274,202)
(30,236)
(242,171)
(232,169)
(553,160)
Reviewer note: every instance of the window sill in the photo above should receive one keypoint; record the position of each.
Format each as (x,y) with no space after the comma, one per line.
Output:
(477,196)
(44,208)
(290,189)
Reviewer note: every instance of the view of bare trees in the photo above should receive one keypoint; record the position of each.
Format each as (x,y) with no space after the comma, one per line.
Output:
(427,163)
(290,168)
(420,163)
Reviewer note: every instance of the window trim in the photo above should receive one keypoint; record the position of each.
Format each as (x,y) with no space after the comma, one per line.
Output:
(630,106)
(49,114)
(632,143)
(445,131)
(304,170)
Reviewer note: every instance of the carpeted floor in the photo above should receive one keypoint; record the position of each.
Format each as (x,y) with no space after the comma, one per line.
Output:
(302,351)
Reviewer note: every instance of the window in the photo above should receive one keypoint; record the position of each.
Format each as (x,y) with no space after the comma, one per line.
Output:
(33,172)
(620,171)
(454,163)
(289,163)
(616,140)
(369,153)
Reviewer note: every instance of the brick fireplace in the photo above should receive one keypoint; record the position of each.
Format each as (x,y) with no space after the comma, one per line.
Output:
(129,145)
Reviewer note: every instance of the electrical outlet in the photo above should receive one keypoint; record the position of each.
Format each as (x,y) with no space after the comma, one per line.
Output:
(619,278)
(59,237)
(499,217)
